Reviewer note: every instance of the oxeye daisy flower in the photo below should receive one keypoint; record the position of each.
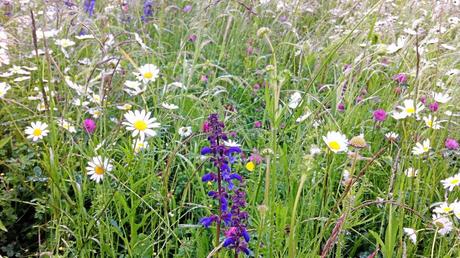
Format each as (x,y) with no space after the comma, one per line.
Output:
(148,73)
(441,97)
(140,145)
(451,182)
(185,131)
(456,207)
(392,136)
(133,88)
(336,141)
(408,109)
(36,131)
(4,87)
(64,43)
(410,232)
(230,143)
(443,224)
(66,125)
(431,122)
(125,106)
(294,100)
(97,168)
(421,148)
(169,106)
(140,123)
(443,208)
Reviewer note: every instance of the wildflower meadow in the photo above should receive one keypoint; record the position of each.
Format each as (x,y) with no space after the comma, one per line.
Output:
(229,128)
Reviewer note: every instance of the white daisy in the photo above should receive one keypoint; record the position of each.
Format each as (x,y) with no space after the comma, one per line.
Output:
(431,122)
(294,100)
(148,73)
(169,106)
(231,143)
(443,208)
(64,43)
(456,207)
(4,87)
(140,145)
(421,148)
(336,141)
(410,232)
(97,167)
(443,224)
(36,131)
(67,125)
(408,109)
(125,106)
(185,131)
(392,136)
(133,88)
(451,182)
(141,124)
(411,172)
(441,97)
(303,117)
(314,150)
(85,36)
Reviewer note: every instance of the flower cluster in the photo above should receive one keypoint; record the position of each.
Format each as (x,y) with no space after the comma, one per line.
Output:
(222,152)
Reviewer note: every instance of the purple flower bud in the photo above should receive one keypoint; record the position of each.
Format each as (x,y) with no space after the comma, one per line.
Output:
(341,107)
(434,106)
(380,115)
(283,18)
(400,78)
(192,38)
(423,99)
(89,125)
(187,8)
(359,99)
(257,124)
(451,144)
(249,50)
(204,78)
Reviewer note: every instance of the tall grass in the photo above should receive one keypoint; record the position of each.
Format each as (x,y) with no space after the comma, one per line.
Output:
(246,61)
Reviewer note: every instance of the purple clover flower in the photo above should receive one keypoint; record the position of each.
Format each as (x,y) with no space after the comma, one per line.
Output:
(434,106)
(400,78)
(380,115)
(89,125)
(451,144)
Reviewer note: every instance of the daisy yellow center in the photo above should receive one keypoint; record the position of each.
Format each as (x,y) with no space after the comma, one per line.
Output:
(99,170)
(410,110)
(429,123)
(140,125)
(455,181)
(37,132)
(425,149)
(148,75)
(334,145)
(447,209)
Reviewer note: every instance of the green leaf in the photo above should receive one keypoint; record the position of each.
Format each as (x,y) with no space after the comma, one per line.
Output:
(2,227)
(4,141)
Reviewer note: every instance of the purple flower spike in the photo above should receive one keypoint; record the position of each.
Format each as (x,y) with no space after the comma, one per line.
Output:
(229,194)
(400,78)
